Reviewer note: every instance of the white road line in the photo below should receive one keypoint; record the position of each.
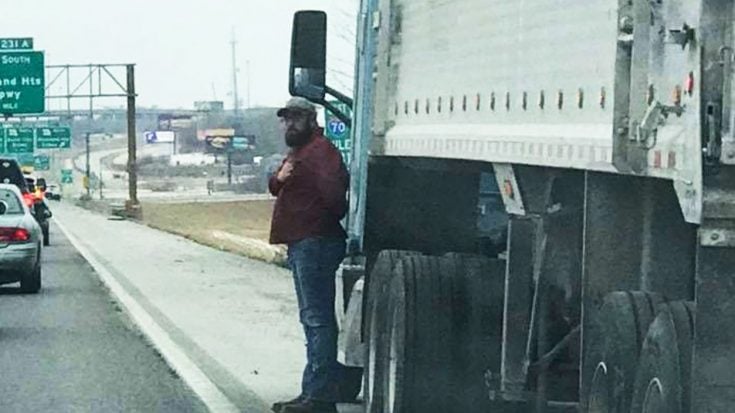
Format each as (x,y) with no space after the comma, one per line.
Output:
(192,375)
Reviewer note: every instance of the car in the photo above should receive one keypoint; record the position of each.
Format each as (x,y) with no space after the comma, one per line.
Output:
(40,209)
(53,192)
(11,173)
(20,241)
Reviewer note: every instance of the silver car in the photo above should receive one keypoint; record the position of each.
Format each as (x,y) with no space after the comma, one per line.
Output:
(20,241)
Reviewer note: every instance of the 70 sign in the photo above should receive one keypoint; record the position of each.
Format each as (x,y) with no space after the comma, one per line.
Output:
(336,127)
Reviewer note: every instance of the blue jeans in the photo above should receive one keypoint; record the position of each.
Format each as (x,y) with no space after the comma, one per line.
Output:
(314,262)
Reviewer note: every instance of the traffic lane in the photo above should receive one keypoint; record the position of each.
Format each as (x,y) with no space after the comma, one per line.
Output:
(70,348)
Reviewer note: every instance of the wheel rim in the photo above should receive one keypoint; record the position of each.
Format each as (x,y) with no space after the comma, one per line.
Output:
(654,400)
(599,401)
(393,368)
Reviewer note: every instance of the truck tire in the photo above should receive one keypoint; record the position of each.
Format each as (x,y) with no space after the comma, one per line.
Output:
(663,381)
(477,327)
(375,321)
(30,283)
(613,346)
(417,377)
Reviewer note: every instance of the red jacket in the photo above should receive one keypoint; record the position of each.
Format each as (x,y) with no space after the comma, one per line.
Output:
(312,201)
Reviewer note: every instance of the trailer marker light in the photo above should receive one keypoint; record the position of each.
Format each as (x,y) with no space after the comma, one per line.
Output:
(672,160)
(689,84)
(677,95)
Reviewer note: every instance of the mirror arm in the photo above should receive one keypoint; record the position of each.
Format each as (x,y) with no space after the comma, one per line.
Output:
(338,113)
(341,97)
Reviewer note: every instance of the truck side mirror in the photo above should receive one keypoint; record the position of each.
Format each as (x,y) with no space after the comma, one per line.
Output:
(307,73)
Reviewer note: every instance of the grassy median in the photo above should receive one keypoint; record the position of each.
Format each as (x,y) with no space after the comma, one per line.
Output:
(241,227)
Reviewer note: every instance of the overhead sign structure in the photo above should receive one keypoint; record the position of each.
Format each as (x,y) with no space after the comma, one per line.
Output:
(16,43)
(22,83)
(160,137)
(337,131)
(19,140)
(53,138)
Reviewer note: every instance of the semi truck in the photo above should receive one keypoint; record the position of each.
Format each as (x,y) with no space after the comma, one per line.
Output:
(607,129)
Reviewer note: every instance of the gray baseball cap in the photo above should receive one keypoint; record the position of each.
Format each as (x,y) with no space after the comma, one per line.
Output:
(297,104)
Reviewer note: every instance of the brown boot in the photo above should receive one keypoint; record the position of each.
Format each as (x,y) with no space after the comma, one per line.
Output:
(278,406)
(310,406)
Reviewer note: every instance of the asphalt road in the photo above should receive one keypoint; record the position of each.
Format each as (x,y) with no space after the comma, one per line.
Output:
(71,349)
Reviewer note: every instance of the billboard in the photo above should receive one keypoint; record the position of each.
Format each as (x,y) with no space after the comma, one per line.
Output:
(160,137)
(202,134)
(169,121)
(223,143)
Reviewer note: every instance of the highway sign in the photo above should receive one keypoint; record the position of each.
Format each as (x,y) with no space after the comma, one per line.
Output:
(22,83)
(67,176)
(19,140)
(53,138)
(41,162)
(337,131)
(16,43)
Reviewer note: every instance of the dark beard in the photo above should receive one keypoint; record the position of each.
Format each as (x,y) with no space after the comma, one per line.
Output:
(296,140)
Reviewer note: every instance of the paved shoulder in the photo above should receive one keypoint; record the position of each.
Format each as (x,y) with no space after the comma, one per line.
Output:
(234,317)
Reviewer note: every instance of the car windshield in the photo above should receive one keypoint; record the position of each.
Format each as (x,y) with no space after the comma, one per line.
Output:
(11,200)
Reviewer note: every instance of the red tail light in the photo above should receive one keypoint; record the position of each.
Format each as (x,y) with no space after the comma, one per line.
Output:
(14,235)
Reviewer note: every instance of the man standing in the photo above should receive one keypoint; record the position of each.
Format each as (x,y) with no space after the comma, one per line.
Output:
(310,187)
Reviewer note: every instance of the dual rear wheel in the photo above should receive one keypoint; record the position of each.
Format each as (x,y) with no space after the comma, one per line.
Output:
(434,333)
(640,355)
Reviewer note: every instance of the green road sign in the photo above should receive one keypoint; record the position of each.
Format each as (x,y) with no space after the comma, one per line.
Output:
(53,138)
(19,140)
(16,43)
(67,176)
(22,83)
(41,162)
(25,159)
(337,131)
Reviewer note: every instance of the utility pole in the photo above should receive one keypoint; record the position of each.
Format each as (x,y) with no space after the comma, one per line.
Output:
(236,99)
(247,72)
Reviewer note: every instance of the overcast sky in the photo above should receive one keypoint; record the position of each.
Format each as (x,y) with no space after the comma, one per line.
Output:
(182,48)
